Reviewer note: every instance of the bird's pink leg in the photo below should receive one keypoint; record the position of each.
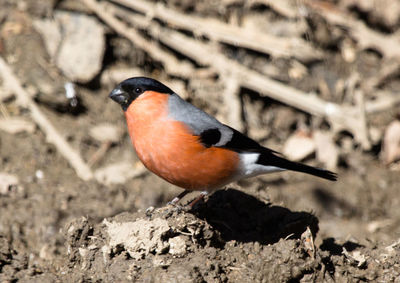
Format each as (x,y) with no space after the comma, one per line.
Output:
(175,200)
(199,198)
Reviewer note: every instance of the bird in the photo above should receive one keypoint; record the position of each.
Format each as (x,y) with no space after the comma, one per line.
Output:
(189,148)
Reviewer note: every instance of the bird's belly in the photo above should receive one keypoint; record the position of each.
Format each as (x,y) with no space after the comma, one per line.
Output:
(178,157)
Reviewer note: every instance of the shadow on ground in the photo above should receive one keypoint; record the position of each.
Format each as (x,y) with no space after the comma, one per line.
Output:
(242,217)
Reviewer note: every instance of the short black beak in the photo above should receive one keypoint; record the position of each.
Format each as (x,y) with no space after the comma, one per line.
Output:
(118,96)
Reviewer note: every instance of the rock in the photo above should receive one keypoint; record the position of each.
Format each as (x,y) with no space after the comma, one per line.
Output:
(51,33)
(75,42)
(105,132)
(118,173)
(82,47)
(391,143)
(139,238)
(177,246)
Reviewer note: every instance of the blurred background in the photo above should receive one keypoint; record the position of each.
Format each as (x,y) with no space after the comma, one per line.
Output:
(318,81)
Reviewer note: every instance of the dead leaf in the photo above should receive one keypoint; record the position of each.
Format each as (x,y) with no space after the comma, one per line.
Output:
(7,182)
(390,250)
(308,240)
(355,257)
(297,70)
(115,75)
(299,146)
(16,125)
(377,225)
(11,27)
(327,151)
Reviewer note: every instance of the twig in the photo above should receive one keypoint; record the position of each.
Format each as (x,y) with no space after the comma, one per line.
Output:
(284,7)
(4,111)
(99,153)
(385,101)
(389,68)
(171,64)
(360,100)
(205,55)
(341,117)
(366,38)
(233,35)
(52,135)
(5,92)
(232,101)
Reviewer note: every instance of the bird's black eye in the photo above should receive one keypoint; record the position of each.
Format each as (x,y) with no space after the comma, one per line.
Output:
(138,90)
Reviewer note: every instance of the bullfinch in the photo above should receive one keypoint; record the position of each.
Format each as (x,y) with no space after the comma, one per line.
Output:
(188,147)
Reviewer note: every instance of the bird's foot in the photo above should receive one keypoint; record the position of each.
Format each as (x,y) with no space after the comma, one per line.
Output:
(190,205)
(174,201)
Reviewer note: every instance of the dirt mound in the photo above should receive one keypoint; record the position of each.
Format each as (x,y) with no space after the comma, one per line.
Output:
(317,81)
(231,238)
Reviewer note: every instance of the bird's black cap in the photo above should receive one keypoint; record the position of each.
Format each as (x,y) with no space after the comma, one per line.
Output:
(130,89)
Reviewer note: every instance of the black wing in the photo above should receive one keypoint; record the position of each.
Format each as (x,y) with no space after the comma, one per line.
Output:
(268,157)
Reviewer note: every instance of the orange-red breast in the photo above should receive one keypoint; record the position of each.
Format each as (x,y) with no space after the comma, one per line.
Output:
(189,148)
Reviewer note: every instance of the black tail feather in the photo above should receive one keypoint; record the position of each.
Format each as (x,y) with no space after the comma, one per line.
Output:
(270,159)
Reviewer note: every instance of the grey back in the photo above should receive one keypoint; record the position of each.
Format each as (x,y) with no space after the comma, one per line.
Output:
(197,120)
